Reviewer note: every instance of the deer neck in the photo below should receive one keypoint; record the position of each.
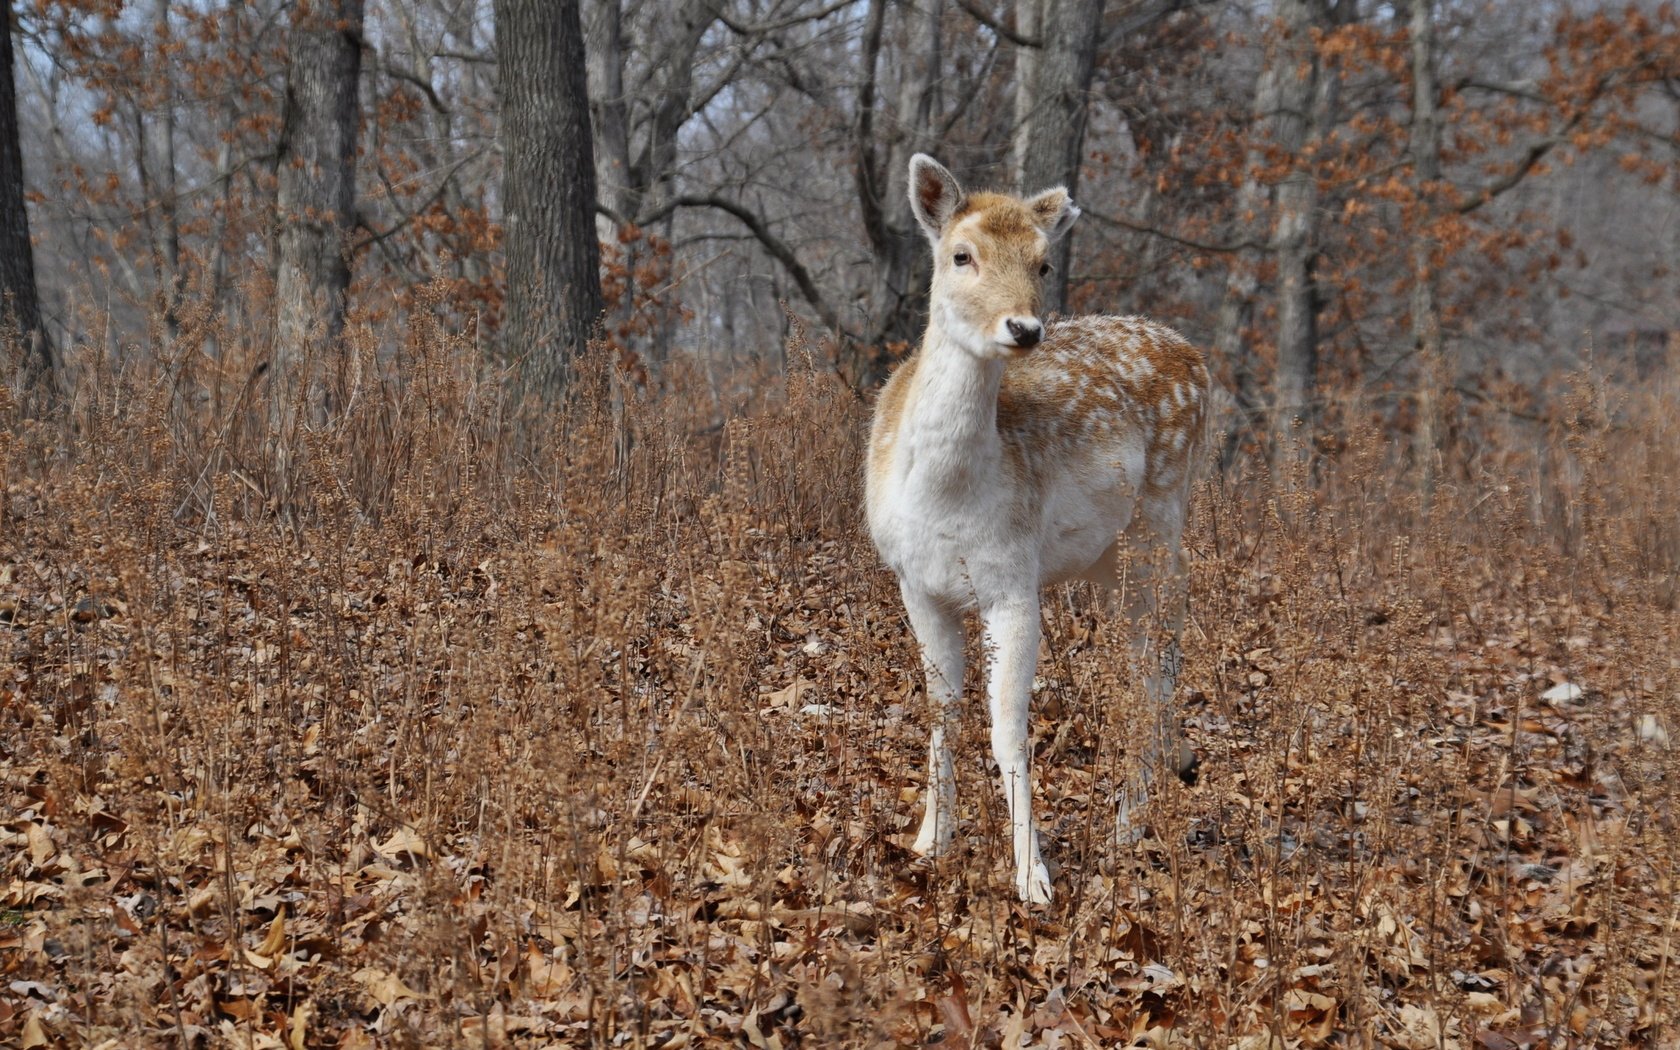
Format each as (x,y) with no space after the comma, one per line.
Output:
(951,423)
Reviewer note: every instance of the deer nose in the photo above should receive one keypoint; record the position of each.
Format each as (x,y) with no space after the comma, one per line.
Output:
(1025,333)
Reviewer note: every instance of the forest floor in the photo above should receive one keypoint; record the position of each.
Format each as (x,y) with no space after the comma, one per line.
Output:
(626,748)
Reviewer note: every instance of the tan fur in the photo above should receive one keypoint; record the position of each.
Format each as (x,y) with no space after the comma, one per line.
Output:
(1093,377)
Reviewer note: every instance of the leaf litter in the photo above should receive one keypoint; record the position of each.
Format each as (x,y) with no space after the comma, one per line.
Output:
(615,779)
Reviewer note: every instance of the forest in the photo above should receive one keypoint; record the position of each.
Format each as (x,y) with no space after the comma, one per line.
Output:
(436,607)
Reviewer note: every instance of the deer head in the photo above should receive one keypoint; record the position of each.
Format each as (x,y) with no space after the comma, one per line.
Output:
(990,254)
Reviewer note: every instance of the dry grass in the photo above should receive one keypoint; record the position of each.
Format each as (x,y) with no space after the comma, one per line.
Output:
(597,727)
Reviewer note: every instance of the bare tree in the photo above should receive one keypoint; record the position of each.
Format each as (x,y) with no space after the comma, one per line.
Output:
(758,146)
(1029,17)
(18,302)
(1426,172)
(898,293)
(159,172)
(432,171)
(1295,75)
(316,206)
(638,113)
(1236,307)
(1050,141)
(548,187)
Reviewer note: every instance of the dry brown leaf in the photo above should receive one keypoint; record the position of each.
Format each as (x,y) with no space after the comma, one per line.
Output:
(20,892)
(240,1009)
(404,840)
(383,986)
(794,696)
(954,1011)
(545,976)
(297,1029)
(356,1039)
(1417,1028)
(606,865)
(40,843)
(751,1027)
(1312,1015)
(276,938)
(34,1033)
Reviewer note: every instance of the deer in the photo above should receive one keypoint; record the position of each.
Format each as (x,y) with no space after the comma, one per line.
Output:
(1006,455)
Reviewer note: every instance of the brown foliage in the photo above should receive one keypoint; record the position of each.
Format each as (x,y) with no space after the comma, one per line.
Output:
(602,729)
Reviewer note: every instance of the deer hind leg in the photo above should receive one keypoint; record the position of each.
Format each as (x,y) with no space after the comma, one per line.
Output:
(940,632)
(1146,574)
(1012,633)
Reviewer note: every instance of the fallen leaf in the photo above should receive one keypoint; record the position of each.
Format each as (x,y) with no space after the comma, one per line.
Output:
(276,939)
(953,1006)
(404,840)
(301,1013)
(794,695)
(383,986)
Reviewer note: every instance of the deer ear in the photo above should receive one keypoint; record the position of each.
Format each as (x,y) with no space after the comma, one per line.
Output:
(935,195)
(1055,212)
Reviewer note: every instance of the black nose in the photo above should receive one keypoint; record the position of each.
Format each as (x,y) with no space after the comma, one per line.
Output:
(1025,334)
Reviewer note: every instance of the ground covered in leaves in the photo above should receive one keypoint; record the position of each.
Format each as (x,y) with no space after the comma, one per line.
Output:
(626,749)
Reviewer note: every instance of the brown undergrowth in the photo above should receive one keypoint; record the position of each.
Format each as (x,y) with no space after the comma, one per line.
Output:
(597,726)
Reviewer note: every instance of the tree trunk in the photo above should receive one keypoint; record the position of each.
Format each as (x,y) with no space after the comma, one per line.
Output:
(159,181)
(907,269)
(548,188)
(1236,309)
(1029,22)
(669,97)
(1293,241)
(1426,172)
(899,279)
(18,304)
(316,207)
(610,111)
(1055,129)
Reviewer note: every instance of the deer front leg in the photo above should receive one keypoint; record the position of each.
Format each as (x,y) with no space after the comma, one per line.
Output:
(1012,631)
(940,632)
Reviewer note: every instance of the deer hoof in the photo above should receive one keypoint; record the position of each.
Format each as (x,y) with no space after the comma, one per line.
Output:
(1033,884)
(1189,765)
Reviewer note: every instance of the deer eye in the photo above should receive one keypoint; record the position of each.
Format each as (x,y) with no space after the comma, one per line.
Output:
(1044,269)
(962,258)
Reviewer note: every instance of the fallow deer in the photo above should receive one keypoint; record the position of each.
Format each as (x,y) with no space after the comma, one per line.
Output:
(1006,455)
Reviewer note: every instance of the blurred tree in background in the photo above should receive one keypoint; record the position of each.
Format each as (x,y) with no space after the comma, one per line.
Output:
(1423,209)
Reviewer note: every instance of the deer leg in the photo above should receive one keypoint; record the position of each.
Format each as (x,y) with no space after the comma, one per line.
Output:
(940,632)
(1012,631)
(1152,590)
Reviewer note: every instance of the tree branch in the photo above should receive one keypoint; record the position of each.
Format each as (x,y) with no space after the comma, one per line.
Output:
(425,86)
(1531,156)
(995,25)
(746,29)
(866,169)
(1202,246)
(1524,89)
(473,57)
(1139,15)
(406,218)
(777,248)
(395,73)
(1540,147)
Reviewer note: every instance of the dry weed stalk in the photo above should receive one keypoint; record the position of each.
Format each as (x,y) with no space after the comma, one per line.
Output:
(598,733)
